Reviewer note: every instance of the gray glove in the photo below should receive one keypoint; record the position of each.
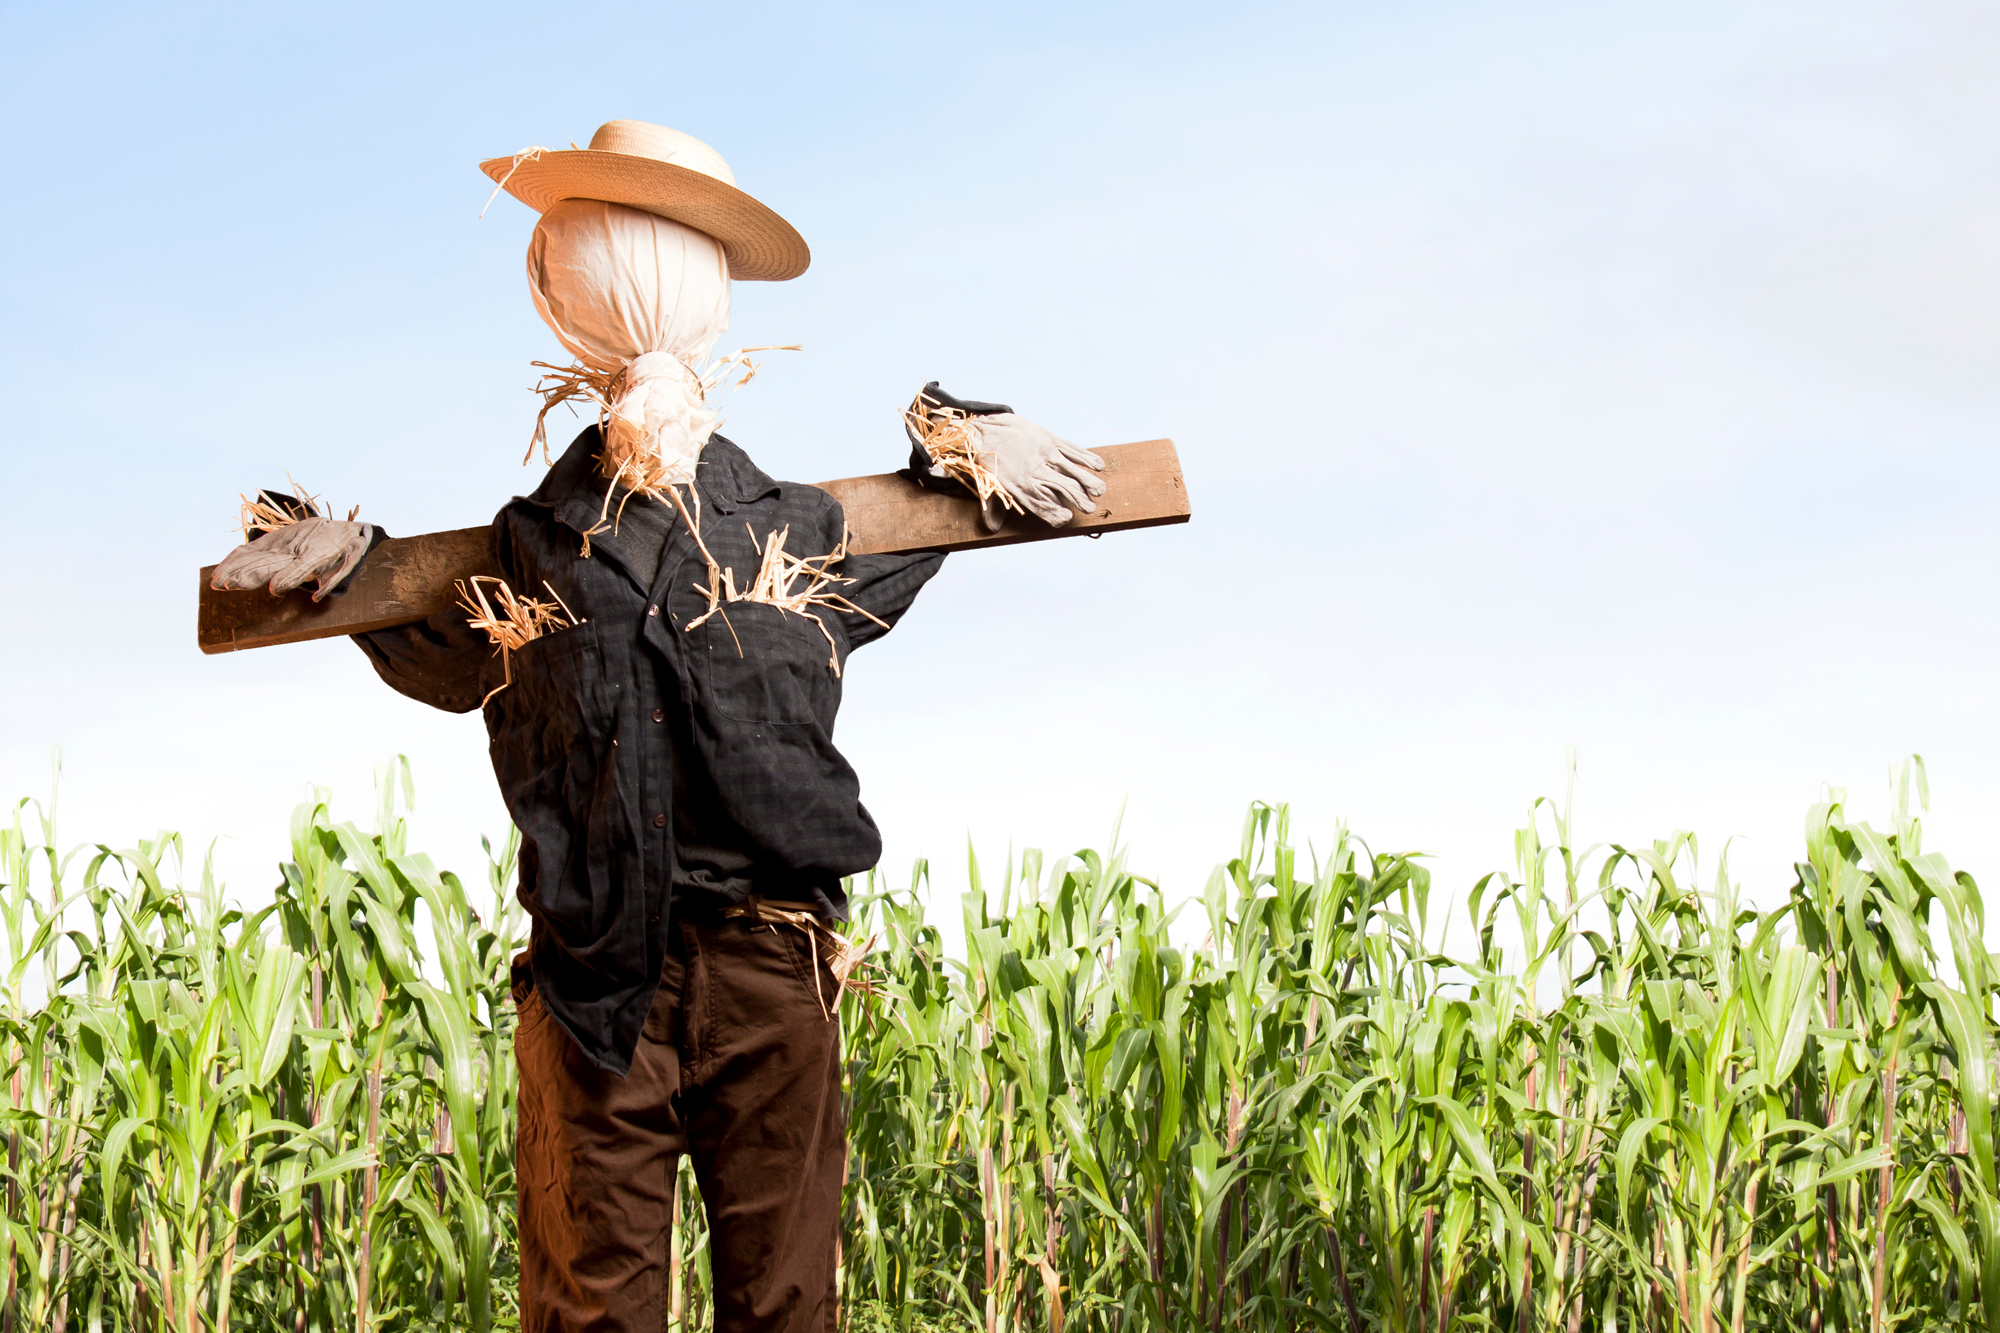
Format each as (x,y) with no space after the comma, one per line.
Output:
(325,549)
(1045,474)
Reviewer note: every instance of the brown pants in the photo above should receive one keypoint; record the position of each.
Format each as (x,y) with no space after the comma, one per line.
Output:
(739,1068)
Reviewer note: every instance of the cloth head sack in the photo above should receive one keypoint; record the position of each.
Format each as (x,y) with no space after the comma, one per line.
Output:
(625,289)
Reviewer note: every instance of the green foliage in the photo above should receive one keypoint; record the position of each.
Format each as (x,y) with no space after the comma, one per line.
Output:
(1632,1104)
(269,1119)
(1664,1112)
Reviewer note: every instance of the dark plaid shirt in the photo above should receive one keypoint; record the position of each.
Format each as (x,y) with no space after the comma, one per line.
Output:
(647,764)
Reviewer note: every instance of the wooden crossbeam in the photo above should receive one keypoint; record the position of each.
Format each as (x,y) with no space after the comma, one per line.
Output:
(408,579)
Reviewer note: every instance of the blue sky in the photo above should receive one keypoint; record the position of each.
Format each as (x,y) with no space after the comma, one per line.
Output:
(1615,376)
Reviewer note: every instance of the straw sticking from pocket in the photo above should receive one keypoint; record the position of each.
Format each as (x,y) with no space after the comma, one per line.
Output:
(516,622)
(777,571)
(847,960)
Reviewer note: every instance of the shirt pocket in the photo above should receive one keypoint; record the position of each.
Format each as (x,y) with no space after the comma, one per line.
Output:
(558,682)
(763,665)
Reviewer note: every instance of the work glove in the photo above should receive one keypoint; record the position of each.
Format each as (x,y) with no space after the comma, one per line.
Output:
(325,550)
(1042,473)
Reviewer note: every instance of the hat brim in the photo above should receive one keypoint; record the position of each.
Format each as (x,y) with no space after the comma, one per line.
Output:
(762,247)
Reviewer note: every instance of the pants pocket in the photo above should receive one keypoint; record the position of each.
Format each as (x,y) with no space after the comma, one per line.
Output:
(530,1013)
(811,959)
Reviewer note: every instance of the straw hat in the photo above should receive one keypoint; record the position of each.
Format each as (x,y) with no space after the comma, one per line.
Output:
(666,172)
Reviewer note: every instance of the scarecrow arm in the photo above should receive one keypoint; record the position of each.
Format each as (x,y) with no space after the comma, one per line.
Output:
(441,661)
(868,594)
(883,587)
(407,581)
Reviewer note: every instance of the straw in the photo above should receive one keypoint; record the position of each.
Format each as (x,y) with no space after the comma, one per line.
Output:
(777,570)
(259,515)
(559,384)
(719,580)
(946,435)
(847,960)
(518,621)
(639,468)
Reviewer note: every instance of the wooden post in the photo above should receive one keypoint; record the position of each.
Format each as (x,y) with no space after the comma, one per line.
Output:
(409,579)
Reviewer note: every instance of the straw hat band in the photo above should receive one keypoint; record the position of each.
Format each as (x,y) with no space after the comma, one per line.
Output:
(664,172)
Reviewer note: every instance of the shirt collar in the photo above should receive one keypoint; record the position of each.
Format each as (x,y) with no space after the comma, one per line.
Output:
(574,491)
(574,488)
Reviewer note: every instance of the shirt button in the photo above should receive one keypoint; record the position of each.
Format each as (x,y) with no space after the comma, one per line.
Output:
(653,610)
(659,821)
(659,715)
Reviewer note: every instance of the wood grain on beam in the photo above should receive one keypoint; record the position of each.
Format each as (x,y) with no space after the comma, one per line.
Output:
(410,578)
(1142,489)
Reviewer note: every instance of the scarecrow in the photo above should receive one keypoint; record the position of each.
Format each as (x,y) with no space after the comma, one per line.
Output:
(672,625)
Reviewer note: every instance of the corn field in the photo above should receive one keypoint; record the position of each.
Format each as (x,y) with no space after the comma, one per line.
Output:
(1632,1102)
(273,1119)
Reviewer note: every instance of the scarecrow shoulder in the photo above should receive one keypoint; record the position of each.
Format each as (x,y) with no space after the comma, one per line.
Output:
(814,508)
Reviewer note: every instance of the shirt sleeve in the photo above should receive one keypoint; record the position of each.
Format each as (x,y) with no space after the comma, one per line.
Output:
(442,661)
(884,586)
